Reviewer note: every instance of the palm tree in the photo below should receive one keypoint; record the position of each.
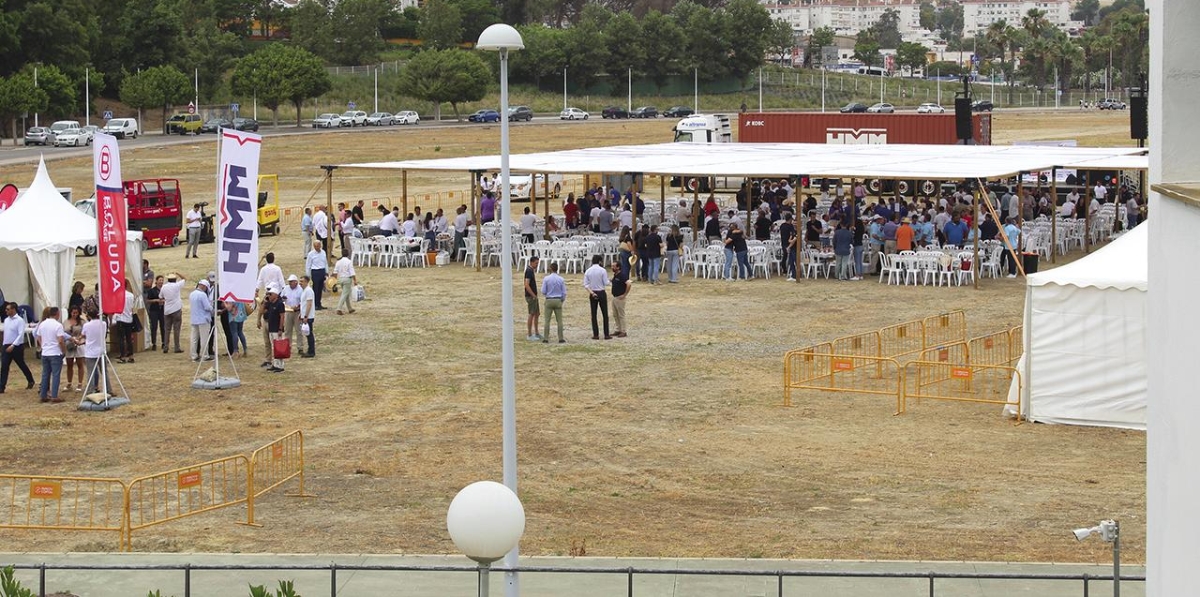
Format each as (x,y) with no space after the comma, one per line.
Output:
(1035,23)
(999,34)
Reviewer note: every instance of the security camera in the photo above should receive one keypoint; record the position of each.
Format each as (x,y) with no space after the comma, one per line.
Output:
(1081,534)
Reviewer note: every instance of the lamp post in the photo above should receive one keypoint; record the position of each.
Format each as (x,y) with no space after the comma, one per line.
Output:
(485,521)
(1110,532)
(564,88)
(504,38)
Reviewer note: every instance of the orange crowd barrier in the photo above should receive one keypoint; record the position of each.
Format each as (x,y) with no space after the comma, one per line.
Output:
(958,382)
(63,504)
(275,464)
(946,328)
(841,373)
(187,491)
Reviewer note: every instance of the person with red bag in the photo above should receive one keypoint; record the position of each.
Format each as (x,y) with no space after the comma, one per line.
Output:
(273,311)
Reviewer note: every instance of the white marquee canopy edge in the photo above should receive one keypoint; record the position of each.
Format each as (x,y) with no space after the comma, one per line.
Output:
(935,162)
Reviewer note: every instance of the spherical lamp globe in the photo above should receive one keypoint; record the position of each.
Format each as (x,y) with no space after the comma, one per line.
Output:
(485,521)
(500,37)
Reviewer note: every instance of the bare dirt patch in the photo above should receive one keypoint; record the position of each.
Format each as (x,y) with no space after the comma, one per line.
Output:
(670,442)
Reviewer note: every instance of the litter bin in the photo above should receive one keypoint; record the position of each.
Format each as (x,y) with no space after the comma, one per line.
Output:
(1029,261)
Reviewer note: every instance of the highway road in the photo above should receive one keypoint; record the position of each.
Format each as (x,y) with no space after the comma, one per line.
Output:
(10,155)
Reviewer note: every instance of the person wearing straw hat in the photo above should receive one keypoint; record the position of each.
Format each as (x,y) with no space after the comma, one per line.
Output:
(273,312)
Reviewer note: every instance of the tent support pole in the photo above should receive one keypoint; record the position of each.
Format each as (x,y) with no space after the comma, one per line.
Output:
(1087,216)
(475,197)
(1003,236)
(662,200)
(404,189)
(1054,216)
(975,224)
(546,198)
(329,210)
(695,205)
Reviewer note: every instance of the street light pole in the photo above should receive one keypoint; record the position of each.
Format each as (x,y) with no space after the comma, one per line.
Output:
(696,89)
(564,88)
(503,38)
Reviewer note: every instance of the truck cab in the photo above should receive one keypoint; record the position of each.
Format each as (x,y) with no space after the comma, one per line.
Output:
(704,128)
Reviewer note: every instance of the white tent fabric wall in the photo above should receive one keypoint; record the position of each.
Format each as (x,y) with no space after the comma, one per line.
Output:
(1085,326)
(39,236)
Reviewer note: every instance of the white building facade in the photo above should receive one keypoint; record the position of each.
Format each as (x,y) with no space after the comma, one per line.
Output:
(848,17)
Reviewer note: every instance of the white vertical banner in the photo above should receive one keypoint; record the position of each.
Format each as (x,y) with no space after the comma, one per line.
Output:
(237,231)
(111,220)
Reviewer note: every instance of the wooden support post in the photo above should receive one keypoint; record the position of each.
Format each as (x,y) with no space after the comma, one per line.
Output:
(1054,216)
(404,190)
(1087,216)
(476,200)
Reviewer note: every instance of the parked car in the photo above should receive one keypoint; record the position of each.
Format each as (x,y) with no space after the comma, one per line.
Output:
(182,124)
(614,112)
(353,118)
(327,121)
(73,137)
(573,114)
(380,119)
(644,112)
(853,108)
(408,117)
(245,124)
(678,112)
(882,108)
(63,125)
(214,125)
(39,135)
(930,108)
(484,116)
(520,113)
(121,127)
(982,106)
(1109,103)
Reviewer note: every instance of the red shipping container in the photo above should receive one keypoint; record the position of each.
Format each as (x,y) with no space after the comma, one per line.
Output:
(875,129)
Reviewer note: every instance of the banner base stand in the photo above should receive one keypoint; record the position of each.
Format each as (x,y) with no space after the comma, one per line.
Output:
(220,383)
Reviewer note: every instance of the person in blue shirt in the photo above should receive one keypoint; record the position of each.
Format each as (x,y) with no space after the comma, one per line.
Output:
(306,227)
(955,231)
(875,237)
(1014,237)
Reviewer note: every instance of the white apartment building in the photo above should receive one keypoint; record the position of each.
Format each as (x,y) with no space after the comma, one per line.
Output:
(979,14)
(848,17)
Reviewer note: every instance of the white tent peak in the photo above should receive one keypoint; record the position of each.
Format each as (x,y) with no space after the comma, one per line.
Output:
(1121,264)
(41,219)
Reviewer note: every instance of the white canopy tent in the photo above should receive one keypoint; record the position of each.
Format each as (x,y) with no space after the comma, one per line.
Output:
(935,162)
(39,236)
(1084,361)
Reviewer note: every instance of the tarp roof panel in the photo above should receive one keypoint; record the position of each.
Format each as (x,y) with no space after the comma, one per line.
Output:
(937,162)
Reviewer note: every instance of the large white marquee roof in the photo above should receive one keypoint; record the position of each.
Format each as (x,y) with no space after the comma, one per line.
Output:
(936,162)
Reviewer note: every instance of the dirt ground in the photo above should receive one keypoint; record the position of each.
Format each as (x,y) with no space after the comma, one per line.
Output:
(671,442)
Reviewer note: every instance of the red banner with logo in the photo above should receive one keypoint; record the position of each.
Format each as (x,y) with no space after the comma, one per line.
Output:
(111,217)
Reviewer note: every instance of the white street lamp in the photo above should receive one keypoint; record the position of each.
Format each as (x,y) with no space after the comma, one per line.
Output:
(1110,532)
(485,521)
(503,39)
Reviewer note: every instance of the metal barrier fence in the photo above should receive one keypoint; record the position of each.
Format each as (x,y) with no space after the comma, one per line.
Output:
(64,504)
(995,349)
(275,464)
(946,328)
(958,382)
(902,339)
(842,373)
(928,578)
(187,491)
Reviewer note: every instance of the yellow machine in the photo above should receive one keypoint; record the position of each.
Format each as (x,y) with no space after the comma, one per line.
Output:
(268,204)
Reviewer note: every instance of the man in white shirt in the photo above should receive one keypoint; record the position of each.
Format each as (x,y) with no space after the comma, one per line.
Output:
(460,231)
(308,315)
(316,265)
(595,281)
(486,184)
(1014,205)
(321,227)
(270,274)
(14,347)
(50,336)
(388,226)
(1068,209)
(124,325)
(626,218)
(94,334)
(291,304)
(409,228)
(172,296)
(528,225)
(194,220)
(347,278)
(440,224)
(1100,192)
(201,320)
(1094,206)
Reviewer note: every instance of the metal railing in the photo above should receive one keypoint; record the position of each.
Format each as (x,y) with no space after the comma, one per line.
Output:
(630,573)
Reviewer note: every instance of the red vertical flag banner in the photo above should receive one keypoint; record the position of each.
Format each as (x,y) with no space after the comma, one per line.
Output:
(111,218)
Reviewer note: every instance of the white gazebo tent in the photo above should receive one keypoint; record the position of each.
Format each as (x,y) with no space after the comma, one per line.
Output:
(39,236)
(1084,361)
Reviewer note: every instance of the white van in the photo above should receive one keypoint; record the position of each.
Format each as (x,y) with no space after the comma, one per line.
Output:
(61,126)
(121,128)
